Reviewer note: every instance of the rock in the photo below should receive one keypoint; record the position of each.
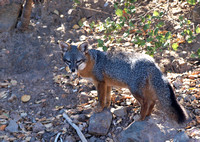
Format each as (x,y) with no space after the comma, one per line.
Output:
(8,16)
(196,14)
(38,127)
(15,116)
(99,123)
(48,126)
(12,98)
(69,139)
(92,139)
(83,38)
(71,12)
(180,65)
(177,83)
(152,129)
(12,127)
(197,111)
(82,118)
(83,98)
(13,82)
(181,137)
(121,111)
(23,114)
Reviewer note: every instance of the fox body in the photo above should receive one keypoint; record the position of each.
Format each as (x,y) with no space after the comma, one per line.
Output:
(135,71)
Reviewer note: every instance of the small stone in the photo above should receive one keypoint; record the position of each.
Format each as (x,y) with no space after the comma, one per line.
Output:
(177,83)
(109,140)
(71,11)
(28,139)
(181,137)
(92,139)
(121,111)
(197,111)
(56,12)
(99,123)
(12,127)
(49,125)
(82,38)
(13,82)
(106,4)
(69,139)
(12,98)
(38,127)
(82,118)
(15,116)
(83,98)
(23,114)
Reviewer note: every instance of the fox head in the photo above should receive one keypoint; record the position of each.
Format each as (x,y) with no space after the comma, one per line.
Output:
(74,56)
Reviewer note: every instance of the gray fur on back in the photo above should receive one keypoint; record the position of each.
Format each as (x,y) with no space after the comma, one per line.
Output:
(132,69)
(129,68)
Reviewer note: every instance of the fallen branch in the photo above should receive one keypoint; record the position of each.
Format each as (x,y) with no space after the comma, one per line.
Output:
(80,134)
(91,9)
(56,139)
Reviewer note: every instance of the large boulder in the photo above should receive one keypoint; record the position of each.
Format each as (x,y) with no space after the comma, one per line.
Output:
(153,129)
(9,13)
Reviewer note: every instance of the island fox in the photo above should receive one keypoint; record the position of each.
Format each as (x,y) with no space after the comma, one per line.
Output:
(135,71)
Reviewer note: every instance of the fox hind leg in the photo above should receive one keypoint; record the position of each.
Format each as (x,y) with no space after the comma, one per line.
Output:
(151,107)
(139,96)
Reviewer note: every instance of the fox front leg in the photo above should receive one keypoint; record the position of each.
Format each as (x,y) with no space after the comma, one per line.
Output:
(102,91)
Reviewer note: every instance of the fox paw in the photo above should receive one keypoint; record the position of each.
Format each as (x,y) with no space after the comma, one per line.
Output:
(98,108)
(107,104)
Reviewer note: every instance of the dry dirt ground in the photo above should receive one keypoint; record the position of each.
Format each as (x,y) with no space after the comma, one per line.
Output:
(31,65)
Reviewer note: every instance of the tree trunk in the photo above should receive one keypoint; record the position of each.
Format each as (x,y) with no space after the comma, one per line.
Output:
(26,14)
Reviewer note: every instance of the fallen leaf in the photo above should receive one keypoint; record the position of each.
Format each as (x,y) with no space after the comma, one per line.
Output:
(2,127)
(76,27)
(4,116)
(56,12)
(3,85)
(196,73)
(193,76)
(25,98)
(198,119)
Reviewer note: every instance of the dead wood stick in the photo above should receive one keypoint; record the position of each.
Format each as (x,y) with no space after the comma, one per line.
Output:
(91,9)
(80,134)
(56,139)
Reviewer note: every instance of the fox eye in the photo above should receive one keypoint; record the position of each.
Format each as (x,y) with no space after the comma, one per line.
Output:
(68,62)
(79,61)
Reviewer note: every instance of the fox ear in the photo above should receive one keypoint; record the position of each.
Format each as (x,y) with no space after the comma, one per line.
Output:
(64,46)
(83,47)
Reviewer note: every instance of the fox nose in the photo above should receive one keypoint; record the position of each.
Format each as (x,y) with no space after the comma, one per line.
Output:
(73,70)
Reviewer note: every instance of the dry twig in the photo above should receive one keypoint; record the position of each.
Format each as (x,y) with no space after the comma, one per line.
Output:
(91,9)
(80,134)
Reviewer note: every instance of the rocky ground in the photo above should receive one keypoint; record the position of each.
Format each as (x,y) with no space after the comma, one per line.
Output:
(35,88)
